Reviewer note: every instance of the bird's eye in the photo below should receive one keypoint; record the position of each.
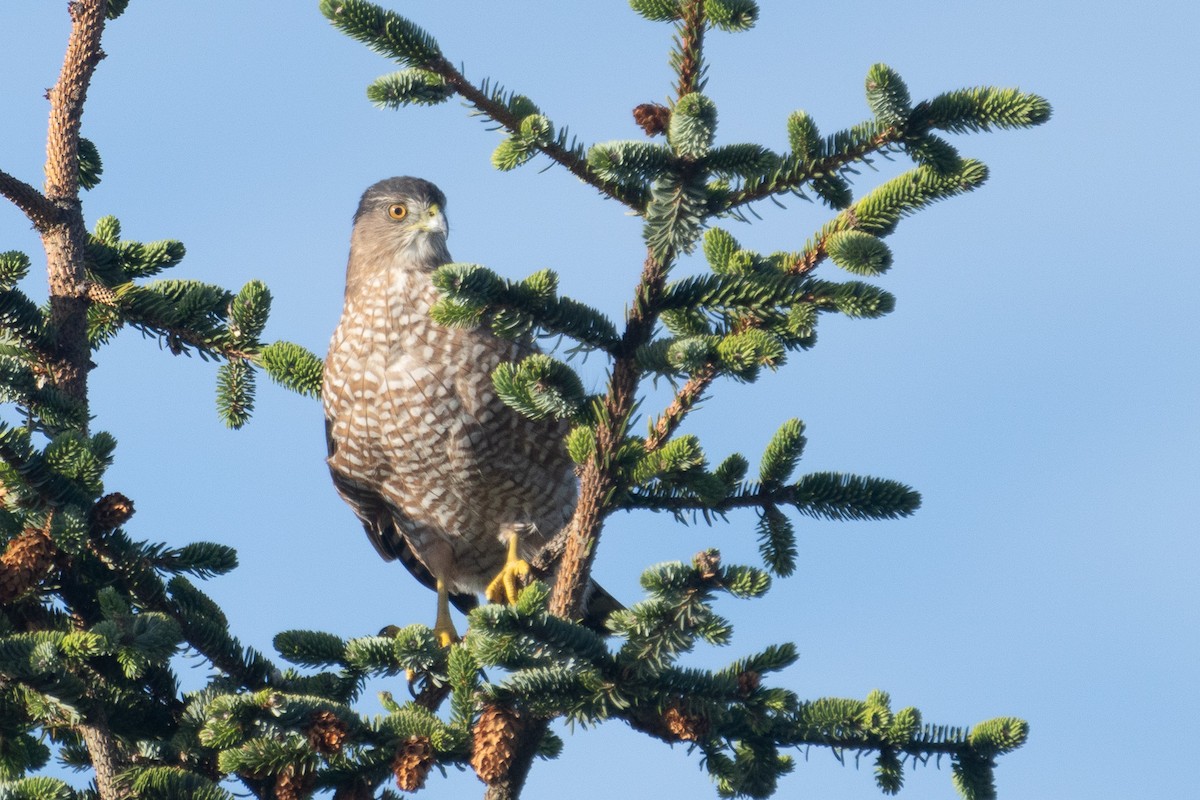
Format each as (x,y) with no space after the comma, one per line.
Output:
(397,211)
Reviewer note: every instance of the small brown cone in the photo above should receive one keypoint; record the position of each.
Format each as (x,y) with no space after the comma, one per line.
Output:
(326,732)
(103,295)
(708,563)
(494,738)
(652,118)
(412,762)
(26,561)
(294,785)
(748,682)
(112,511)
(688,727)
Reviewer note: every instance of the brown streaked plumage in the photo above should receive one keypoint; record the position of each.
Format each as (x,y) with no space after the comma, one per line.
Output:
(438,469)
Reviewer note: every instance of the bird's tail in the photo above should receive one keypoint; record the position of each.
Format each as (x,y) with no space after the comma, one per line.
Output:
(597,605)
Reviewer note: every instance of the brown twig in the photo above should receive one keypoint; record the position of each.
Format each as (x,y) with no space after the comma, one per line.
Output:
(598,476)
(690,67)
(812,257)
(685,400)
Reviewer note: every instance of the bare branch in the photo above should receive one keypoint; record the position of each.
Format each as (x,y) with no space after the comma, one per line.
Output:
(67,98)
(64,240)
(41,212)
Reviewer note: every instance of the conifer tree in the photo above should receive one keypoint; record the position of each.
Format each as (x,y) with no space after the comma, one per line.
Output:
(90,616)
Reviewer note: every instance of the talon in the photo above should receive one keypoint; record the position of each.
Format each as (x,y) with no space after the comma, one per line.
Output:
(506,586)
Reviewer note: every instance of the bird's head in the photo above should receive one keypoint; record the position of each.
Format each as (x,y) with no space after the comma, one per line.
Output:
(402,221)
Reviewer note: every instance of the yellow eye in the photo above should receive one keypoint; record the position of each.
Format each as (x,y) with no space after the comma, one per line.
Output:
(397,211)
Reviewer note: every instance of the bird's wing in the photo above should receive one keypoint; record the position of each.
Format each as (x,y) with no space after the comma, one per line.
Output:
(378,519)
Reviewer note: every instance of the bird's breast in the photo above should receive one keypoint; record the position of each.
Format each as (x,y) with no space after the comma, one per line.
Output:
(408,389)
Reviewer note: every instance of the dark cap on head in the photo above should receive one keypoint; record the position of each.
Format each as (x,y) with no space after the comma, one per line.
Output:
(403,187)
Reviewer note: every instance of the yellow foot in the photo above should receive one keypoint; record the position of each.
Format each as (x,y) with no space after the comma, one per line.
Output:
(505,587)
(445,636)
(443,628)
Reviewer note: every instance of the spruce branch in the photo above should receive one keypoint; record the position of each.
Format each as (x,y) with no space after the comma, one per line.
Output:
(732,15)
(48,409)
(385,32)
(675,213)
(573,159)
(25,323)
(396,37)
(897,125)
(880,211)
(409,87)
(688,56)
(540,387)
(50,488)
(747,314)
(573,550)
(202,623)
(473,294)
(658,10)
(292,366)
(797,170)
(205,628)
(235,392)
(982,108)
(825,495)
(90,165)
(14,266)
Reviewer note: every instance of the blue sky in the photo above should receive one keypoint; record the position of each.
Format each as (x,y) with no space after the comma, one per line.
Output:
(1037,381)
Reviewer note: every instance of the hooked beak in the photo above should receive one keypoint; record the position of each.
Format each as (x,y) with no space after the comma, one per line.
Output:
(434,221)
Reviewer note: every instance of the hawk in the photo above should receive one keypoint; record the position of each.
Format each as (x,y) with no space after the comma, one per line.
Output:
(444,476)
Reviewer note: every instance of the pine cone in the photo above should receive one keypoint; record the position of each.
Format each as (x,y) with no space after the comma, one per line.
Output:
(412,762)
(294,785)
(26,561)
(707,562)
(748,682)
(652,118)
(112,511)
(495,735)
(103,295)
(326,732)
(688,727)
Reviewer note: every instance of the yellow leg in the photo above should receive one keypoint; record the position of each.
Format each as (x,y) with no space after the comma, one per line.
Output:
(505,587)
(443,628)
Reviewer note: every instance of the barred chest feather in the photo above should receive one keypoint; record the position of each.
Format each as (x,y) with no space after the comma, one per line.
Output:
(416,420)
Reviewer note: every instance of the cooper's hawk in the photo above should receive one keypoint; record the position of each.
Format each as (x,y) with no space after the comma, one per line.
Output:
(444,476)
